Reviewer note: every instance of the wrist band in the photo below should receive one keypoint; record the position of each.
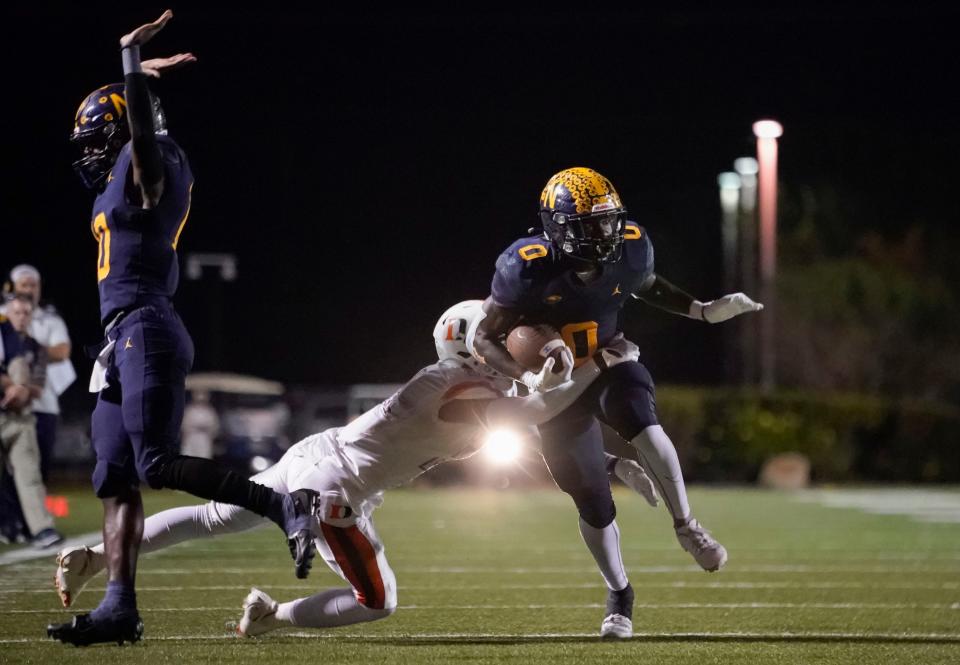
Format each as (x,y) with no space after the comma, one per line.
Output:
(131,59)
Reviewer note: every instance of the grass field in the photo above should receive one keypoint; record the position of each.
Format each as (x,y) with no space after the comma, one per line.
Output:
(489,576)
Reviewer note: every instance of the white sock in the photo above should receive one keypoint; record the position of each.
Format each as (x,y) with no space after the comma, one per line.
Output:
(333,607)
(659,458)
(178,525)
(604,545)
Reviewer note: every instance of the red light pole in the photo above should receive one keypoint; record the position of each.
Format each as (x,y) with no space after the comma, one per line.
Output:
(767,132)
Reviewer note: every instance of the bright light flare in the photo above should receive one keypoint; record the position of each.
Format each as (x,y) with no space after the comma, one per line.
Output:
(767,129)
(728,180)
(502,447)
(746,166)
(259,463)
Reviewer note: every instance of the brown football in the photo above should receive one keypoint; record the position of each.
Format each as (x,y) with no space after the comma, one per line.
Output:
(531,345)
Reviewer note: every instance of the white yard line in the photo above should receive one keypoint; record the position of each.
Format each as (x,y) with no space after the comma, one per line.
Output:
(29,553)
(901,586)
(585,606)
(536,637)
(590,570)
(920,505)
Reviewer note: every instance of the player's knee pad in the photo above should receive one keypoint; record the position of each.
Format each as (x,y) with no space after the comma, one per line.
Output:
(596,508)
(628,402)
(111,480)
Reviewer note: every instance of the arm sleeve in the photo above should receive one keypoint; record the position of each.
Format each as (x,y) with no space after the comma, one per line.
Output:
(423,391)
(540,407)
(666,296)
(142,131)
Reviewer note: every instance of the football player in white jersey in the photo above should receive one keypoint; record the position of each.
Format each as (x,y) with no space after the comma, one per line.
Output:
(439,415)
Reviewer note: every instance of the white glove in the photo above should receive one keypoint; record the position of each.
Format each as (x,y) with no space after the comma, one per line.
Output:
(635,478)
(546,379)
(723,308)
(619,350)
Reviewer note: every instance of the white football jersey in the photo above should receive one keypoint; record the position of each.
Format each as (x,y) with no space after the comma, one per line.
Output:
(403,436)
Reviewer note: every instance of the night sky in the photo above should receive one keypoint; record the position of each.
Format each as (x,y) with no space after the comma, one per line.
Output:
(367,169)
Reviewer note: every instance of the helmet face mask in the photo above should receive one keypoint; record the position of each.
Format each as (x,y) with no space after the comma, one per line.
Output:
(594,238)
(100,150)
(582,215)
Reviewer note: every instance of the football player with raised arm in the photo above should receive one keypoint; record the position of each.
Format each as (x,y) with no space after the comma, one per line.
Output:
(576,276)
(143,184)
(441,414)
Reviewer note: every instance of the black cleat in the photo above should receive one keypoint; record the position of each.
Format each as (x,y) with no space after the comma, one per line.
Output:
(82,630)
(299,528)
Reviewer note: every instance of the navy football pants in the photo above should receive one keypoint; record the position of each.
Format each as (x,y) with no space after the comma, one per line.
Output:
(136,423)
(623,398)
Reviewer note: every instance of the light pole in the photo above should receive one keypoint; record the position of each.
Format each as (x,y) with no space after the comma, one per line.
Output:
(729,184)
(747,168)
(767,132)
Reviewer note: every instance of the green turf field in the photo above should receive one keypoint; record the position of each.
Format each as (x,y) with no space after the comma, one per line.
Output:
(489,576)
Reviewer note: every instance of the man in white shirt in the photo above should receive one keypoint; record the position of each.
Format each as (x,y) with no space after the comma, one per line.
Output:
(49,329)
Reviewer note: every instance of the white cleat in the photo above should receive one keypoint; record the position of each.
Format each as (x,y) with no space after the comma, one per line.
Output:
(259,614)
(75,567)
(707,552)
(616,626)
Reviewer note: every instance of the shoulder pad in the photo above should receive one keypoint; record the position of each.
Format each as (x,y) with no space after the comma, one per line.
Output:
(637,248)
(49,309)
(517,268)
(528,254)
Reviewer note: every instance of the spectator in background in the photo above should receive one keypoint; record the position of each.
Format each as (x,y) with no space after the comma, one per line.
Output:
(22,376)
(47,328)
(200,426)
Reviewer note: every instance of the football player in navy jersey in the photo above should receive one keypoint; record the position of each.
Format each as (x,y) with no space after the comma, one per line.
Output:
(143,184)
(577,276)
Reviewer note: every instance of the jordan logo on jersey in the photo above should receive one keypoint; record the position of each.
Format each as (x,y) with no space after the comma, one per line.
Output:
(616,290)
(128,344)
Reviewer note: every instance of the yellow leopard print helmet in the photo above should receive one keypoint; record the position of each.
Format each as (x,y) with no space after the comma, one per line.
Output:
(583,216)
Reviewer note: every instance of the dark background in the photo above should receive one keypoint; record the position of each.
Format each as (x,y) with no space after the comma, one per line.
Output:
(367,168)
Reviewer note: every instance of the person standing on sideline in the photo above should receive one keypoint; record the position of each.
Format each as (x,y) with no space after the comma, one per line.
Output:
(22,375)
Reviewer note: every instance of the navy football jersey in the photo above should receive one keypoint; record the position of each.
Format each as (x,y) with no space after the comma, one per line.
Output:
(137,259)
(533,279)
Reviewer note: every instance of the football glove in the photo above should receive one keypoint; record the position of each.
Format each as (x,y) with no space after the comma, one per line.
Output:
(723,308)
(618,350)
(546,379)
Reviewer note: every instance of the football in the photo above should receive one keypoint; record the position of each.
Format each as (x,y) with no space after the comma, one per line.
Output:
(532,345)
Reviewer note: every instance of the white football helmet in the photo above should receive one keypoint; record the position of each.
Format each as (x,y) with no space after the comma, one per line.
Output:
(455,332)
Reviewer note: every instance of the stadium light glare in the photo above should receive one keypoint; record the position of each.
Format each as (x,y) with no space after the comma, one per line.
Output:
(767,129)
(259,463)
(728,180)
(746,166)
(502,447)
